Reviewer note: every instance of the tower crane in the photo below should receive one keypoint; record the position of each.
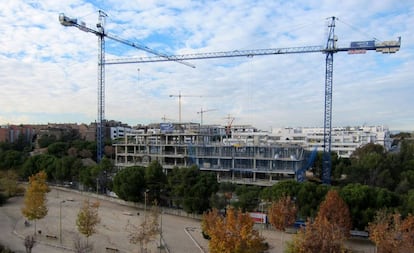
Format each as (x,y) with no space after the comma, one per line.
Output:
(179,95)
(101,33)
(329,50)
(230,120)
(201,112)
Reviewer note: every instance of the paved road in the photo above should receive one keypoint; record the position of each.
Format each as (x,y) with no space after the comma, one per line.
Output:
(9,216)
(111,232)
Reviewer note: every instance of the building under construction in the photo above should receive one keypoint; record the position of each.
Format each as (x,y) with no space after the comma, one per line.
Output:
(211,148)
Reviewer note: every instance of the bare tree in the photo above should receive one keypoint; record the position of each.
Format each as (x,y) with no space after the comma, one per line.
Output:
(29,243)
(146,231)
(81,246)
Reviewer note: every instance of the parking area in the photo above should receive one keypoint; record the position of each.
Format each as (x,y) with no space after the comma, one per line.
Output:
(58,229)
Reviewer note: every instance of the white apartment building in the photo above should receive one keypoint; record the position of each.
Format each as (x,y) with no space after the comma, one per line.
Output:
(344,139)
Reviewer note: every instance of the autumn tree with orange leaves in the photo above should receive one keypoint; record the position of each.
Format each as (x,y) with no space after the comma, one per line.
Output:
(35,198)
(329,230)
(233,233)
(391,233)
(282,213)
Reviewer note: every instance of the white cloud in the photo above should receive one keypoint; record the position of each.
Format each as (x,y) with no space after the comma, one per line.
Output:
(49,72)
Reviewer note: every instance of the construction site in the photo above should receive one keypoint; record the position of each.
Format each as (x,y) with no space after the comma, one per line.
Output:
(211,148)
(183,147)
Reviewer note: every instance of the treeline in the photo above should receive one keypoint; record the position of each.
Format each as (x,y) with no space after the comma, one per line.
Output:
(370,180)
(67,159)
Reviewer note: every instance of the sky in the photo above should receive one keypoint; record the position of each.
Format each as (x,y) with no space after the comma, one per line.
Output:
(49,72)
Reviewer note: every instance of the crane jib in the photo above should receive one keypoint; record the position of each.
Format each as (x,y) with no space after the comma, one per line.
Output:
(385,47)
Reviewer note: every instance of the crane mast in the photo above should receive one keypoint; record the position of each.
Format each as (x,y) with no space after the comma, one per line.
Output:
(201,112)
(179,96)
(329,50)
(101,33)
(327,122)
(100,128)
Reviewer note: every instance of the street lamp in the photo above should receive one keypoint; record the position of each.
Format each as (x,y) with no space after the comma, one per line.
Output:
(145,204)
(161,229)
(60,220)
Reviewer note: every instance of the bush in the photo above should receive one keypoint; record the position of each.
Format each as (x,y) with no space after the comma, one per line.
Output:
(4,249)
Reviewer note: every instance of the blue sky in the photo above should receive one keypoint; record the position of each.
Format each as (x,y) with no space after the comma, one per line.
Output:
(48,72)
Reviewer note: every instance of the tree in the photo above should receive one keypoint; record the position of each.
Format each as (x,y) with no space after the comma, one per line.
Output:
(308,197)
(247,197)
(58,148)
(192,189)
(88,218)
(45,140)
(146,230)
(11,159)
(282,213)
(283,188)
(391,233)
(336,211)
(8,183)
(81,246)
(368,166)
(233,233)
(129,183)
(319,236)
(408,203)
(155,178)
(29,243)
(329,230)
(364,200)
(35,197)
(197,199)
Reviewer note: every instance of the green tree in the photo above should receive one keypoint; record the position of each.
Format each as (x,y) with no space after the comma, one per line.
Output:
(8,183)
(248,198)
(129,183)
(406,182)
(283,188)
(192,189)
(155,179)
(58,149)
(364,200)
(223,196)
(367,164)
(11,159)
(45,140)
(198,199)
(308,197)
(408,203)
(34,164)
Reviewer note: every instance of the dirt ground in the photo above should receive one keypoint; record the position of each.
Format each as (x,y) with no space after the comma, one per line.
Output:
(58,228)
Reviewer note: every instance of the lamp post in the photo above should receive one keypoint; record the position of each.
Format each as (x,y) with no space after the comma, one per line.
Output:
(60,220)
(145,205)
(160,229)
